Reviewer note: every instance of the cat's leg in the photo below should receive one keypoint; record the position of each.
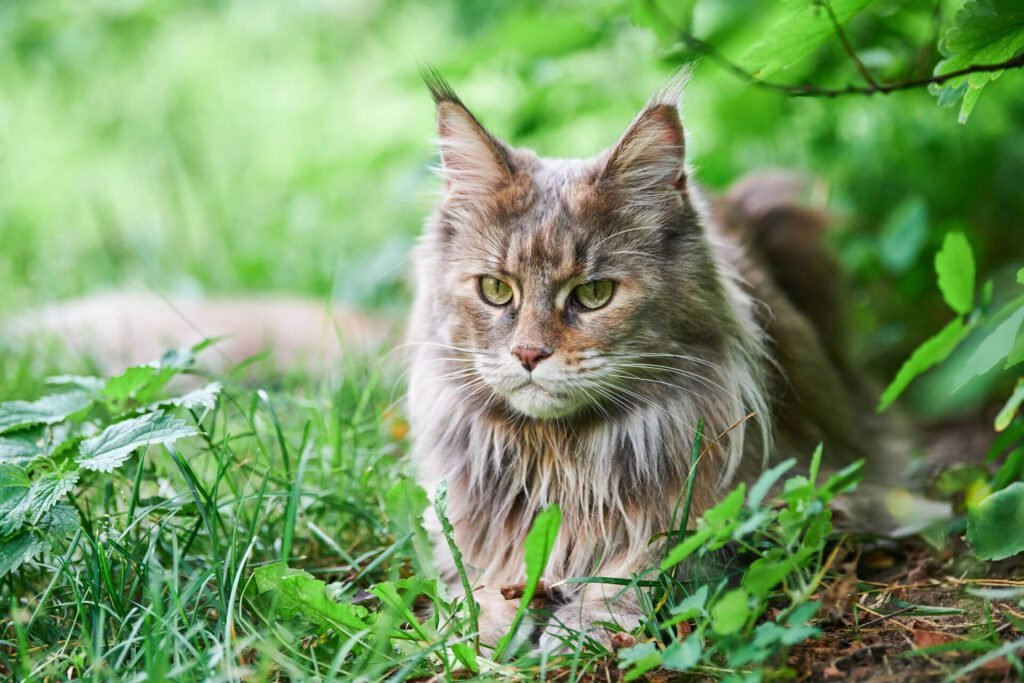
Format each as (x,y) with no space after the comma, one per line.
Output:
(596,612)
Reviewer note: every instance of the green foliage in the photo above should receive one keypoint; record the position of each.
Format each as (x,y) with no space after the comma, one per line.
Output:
(783,538)
(539,544)
(954,265)
(995,502)
(45,451)
(295,594)
(991,524)
(802,30)
(983,32)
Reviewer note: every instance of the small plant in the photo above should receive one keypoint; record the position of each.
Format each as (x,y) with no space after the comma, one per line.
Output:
(87,427)
(706,615)
(994,501)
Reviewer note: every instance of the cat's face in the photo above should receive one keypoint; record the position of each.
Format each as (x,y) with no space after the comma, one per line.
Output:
(566,285)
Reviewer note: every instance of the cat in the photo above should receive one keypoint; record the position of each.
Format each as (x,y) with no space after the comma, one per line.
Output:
(573,321)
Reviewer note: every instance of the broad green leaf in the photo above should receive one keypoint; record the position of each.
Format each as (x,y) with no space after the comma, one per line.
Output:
(140,383)
(47,491)
(729,614)
(111,447)
(20,549)
(689,545)
(405,502)
(19,448)
(804,28)
(765,574)
(994,348)
(86,383)
(203,397)
(1020,276)
(693,605)
(903,235)
(683,656)
(14,488)
(1011,407)
(954,265)
(727,509)
(639,659)
(993,525)
(930,353)
(298,595)
(983,32)
(766,481)
(60,521)
(47,410)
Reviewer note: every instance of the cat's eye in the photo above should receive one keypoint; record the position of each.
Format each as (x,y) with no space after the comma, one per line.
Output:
(594,294)
(494,291)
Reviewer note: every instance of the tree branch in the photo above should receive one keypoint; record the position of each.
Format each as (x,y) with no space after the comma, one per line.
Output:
(841,34)
(809,90)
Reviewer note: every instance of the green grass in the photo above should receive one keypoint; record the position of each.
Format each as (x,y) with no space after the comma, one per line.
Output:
(176,561)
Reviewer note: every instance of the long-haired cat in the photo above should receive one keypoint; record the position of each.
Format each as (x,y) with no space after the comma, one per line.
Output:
(576,318)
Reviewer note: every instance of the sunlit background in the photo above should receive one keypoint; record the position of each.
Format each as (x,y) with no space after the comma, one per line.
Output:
(251,146)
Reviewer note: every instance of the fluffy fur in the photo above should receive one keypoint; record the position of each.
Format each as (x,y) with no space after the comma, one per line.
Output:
(701,325)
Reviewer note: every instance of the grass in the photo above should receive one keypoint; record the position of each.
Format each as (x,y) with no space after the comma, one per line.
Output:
(275,534)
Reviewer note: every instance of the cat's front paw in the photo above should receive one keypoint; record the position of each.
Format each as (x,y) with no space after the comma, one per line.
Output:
(496,615)
(574,627)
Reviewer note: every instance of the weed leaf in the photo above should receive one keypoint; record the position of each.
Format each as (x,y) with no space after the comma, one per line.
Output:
(989,522)
(930,353)
(47,410)
(111,447)
(954,264)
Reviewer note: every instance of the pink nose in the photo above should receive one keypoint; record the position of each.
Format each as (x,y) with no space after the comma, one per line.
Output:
(530,356)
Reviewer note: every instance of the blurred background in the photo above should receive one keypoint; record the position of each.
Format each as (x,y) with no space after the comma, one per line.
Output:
(210,147)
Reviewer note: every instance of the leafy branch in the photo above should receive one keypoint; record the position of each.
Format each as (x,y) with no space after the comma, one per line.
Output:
(986,38)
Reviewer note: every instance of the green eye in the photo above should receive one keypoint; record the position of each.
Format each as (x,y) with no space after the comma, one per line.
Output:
(594,294)
(494,291)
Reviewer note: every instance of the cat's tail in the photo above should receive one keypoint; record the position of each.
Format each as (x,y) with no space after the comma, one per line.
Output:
(117,329)
(768,212)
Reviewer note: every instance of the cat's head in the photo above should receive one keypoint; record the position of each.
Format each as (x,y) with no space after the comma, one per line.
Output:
(571,285)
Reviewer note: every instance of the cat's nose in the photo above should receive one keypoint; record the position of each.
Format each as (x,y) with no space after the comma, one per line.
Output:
(530,356)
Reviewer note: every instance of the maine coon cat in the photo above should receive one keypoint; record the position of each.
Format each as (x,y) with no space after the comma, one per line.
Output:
(576,318)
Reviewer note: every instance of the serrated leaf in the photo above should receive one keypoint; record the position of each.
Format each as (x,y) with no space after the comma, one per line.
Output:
(992,524)
(60,521)
(203,397)
(19,448)
(298,595)
(18,550)
(47,491)
(954,265)
(86,383)
(983,32)
(994,348)
(14,487)
(140,383)
(47,410)
(933,351)
(805,27)
(111,447)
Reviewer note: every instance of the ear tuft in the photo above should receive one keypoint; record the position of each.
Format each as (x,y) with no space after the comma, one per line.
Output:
(473,162)
(649,156)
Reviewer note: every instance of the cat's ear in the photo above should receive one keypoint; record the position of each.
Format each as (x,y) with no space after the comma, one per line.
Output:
(649,157)
(473,162)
